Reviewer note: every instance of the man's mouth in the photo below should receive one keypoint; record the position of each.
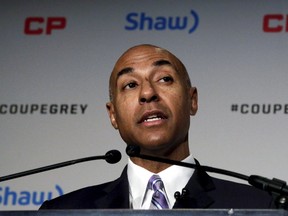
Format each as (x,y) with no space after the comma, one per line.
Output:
(153,116)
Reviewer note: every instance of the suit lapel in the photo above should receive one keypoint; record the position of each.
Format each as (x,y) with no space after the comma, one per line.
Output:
(116,194)
(198,186)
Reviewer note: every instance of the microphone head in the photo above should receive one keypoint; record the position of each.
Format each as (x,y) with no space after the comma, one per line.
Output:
(133,150)
(113,156)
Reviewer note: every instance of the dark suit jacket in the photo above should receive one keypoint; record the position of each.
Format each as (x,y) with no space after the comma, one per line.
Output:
(204,192)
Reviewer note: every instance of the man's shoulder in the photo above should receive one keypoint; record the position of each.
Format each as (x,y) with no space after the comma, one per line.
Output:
(89,197)
(80,198)
(223,184)
(242,194)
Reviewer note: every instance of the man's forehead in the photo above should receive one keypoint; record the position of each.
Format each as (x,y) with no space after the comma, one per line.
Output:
(150,56)
(142,56)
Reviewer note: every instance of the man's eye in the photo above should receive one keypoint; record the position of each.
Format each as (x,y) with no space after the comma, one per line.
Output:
(130,85)
(166,79)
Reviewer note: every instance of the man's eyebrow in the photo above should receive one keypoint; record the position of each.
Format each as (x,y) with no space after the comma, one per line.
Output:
(156,64)
(124,71)
(161,62)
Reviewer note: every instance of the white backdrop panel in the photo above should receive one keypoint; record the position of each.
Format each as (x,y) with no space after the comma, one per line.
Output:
(233,62)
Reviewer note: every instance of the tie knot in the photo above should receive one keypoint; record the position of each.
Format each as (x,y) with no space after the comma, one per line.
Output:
(159,198)
(155,183)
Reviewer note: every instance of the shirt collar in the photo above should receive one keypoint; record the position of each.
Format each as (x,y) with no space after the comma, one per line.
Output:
(138,178)
(174,179)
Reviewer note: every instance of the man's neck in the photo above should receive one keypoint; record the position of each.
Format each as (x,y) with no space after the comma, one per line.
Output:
(178,154)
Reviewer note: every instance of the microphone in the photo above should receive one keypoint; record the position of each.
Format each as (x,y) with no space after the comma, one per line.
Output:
(112,157)
(275,186)
(134,151)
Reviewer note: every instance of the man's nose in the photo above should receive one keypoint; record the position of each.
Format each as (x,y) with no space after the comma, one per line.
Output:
(148,93)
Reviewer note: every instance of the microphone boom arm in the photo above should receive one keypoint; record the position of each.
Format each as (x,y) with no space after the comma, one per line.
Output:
(188,165)
(274,186)
(50,167)
(112,156)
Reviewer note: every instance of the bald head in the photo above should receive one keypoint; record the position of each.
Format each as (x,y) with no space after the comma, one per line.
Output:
(140,53)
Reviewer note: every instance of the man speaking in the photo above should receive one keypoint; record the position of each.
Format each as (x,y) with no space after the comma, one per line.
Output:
(151,103)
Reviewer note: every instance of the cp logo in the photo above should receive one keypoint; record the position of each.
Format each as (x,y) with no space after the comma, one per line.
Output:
(275,23)
(40,25)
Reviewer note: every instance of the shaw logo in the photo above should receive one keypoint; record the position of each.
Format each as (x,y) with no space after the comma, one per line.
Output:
(141,21)
(23,198)
(275,23)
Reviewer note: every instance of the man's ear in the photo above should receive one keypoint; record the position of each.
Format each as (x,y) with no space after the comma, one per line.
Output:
(112,115)
(194,100)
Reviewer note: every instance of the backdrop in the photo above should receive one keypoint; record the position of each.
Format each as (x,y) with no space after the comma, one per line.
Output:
(56,58)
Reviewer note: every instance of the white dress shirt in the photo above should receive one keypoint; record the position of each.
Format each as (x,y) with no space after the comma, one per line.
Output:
(174,179)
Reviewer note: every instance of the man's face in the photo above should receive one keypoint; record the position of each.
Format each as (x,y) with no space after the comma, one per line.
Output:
(151,103)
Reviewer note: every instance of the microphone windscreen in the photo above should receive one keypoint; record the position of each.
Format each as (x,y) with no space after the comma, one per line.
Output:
(133,150)
(113,156)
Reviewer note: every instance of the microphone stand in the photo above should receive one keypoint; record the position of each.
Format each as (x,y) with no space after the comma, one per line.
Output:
(112,156)
(276,187)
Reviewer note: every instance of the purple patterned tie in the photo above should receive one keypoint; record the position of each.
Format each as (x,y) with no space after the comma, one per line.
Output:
(159,196)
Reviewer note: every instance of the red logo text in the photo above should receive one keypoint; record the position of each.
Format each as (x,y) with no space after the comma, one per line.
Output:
(42,25)
(275,23)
